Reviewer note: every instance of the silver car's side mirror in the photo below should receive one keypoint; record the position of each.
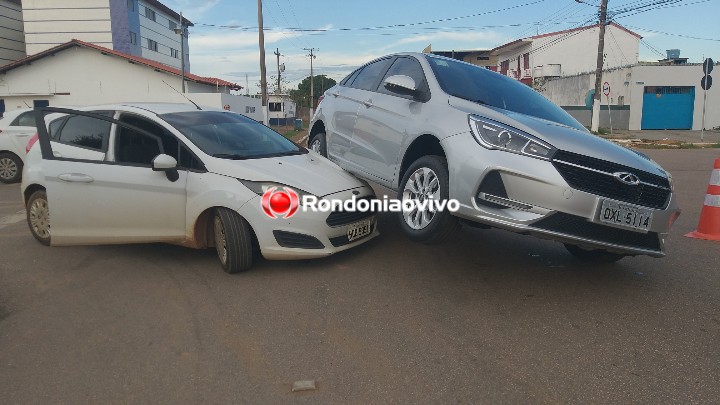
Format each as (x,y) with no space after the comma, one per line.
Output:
(400,84)
(168,164)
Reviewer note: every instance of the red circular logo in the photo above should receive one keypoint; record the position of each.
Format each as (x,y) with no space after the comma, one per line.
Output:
(280,203)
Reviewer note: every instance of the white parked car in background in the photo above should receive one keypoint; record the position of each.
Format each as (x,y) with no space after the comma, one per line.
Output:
(16,128)
(171,173)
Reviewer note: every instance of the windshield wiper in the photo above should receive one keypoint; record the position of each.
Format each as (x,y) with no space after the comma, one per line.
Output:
(232,156)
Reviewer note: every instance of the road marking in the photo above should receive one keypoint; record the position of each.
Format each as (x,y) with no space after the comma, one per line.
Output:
(12,219)
(303,139)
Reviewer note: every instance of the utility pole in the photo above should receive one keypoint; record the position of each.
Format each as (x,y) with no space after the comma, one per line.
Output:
(312,94)
(181,31)
(263,73)
(595,120)
(277,53)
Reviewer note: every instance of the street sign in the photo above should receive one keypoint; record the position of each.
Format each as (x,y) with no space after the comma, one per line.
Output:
(706,82)
(708,65)
(606,89)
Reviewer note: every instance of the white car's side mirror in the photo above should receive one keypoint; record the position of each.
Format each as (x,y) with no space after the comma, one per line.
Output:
(163,162)
(168,164)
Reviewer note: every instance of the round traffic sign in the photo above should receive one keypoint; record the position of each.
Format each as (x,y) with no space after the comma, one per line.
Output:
(606,88)
(706,82)
(708,65)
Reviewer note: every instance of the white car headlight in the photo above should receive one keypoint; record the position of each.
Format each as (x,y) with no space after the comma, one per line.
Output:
(260,187)
(494,135)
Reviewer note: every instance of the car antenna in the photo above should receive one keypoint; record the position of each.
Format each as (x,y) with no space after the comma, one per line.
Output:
(28,105)
(186,98)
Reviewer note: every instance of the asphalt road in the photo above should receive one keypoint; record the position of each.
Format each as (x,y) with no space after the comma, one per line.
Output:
(487,317)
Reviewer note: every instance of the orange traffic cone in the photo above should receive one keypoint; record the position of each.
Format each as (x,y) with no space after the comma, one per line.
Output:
(709,226)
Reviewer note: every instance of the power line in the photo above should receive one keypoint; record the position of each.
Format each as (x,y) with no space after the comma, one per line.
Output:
(673,35)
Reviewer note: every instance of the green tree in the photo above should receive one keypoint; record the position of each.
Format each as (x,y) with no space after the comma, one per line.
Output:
(301,96)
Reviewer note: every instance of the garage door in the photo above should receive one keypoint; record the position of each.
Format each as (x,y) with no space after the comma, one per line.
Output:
(668,107)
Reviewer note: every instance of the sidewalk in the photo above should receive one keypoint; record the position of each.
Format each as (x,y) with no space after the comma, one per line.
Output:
(710,136)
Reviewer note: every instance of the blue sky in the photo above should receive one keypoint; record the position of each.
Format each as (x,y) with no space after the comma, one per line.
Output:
(224,40)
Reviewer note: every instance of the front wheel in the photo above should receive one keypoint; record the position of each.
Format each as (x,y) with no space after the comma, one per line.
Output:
(233,241)
(593,255)
(10,168)
(38,217)
(427,180)
(318,144)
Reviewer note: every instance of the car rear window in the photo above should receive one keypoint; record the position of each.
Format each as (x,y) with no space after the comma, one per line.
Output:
(486,87)
(229,135)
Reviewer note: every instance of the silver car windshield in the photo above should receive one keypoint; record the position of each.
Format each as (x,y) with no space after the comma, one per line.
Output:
(486,87)
(231,136)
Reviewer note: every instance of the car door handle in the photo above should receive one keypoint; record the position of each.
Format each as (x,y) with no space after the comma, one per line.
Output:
(335,94)
(368,103)
(76,178)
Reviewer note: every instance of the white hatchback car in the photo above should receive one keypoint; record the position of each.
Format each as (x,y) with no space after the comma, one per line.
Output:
(16,128)
(170,173)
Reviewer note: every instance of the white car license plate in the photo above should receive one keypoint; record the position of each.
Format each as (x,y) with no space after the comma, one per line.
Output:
(625,215)
(359,229)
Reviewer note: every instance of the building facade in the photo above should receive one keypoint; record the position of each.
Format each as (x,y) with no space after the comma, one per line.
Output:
(12,36)
(78,74)
(645,96)
(143,28)
(566,53)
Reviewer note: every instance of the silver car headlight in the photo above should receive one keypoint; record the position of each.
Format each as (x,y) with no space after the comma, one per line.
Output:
(261,187)
(494,135)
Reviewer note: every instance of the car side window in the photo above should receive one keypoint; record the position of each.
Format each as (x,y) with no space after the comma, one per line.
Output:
(26,119)
(86,132)
(349,78)
(408,67)
(54,127)
(369,77)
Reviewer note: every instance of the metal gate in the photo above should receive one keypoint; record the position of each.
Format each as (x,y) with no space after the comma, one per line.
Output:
(668,107)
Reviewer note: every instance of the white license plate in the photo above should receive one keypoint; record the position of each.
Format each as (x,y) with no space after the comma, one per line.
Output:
(359,229)
(625,215)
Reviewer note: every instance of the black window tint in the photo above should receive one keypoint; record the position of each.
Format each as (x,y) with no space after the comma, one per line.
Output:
(408,67)
(135,147)
(26,119)
(188,160)
(349,78)
(86,132)
(370,75)
(54,127)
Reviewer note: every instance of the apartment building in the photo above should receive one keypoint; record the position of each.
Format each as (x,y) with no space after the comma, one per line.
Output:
(12,37)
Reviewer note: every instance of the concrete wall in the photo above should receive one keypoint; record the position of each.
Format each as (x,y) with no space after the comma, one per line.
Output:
(248,106)
(12,36)
(679,75)
(81,76)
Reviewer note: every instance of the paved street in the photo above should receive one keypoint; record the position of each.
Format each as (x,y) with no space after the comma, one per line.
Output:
(487,317)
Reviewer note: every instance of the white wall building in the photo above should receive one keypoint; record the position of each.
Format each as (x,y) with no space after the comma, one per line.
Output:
(281,109)
(645,96)
(12,36)
(79,74)
(136,27)
(566,53)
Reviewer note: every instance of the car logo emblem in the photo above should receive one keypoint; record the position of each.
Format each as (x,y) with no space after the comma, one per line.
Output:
(627,178)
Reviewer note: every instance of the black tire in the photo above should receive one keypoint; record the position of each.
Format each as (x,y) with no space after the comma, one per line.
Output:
(442,224)
(593,255)
(38,217)
(10,168)
(320,142)
(233,240)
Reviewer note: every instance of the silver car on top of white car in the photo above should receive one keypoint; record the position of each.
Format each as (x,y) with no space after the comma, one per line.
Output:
(170,173)
(16,128)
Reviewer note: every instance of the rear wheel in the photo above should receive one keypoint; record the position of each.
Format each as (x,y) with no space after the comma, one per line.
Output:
(593,255)
(233,241)
(427,179)
(10,168)
(38,217)
(318,144)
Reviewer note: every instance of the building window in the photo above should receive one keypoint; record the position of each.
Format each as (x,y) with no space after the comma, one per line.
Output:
(131,5)
(526,61)
(150,13)
(133,38)
(275,107)
(504,67)
(152,45)
(174,53)
(172,25)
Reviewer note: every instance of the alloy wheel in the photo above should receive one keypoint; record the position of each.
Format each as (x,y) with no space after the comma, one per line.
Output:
(40,218)
(423,185)
(8,168)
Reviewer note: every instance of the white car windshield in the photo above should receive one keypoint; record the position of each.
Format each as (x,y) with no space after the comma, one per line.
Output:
(486,87)
(231,136)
